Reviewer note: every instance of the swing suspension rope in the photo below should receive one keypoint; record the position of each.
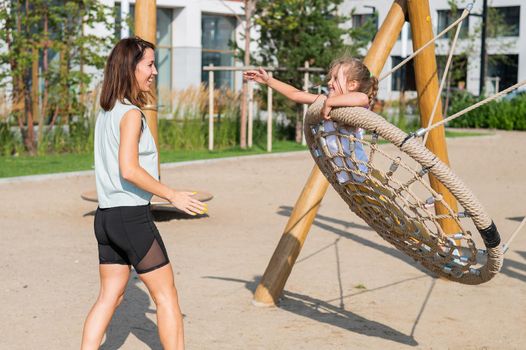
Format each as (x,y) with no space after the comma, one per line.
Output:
(444,76)
(465,14)
(458,23)
(423,131)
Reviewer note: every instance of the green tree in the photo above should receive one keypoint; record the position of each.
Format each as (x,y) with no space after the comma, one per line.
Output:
(294,31)
(47,53)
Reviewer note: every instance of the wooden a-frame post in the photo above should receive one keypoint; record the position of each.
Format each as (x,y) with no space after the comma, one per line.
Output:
(304,212)
(427,88)
(146,28)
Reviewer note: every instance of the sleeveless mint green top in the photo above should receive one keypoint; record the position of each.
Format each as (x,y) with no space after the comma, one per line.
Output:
(112,189)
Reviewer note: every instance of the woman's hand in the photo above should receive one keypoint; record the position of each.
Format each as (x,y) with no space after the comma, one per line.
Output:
(260,76)
(186,203)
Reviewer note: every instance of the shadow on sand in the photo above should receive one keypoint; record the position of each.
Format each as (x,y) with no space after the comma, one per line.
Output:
(164,215)
(513,268)
(323,311)
(324,222)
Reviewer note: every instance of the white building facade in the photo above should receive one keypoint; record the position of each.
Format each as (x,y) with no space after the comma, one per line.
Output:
(190,34)
(195,33)
(507,53)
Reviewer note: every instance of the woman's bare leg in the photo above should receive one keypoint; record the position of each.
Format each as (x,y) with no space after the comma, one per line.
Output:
(113,281)
(160,283)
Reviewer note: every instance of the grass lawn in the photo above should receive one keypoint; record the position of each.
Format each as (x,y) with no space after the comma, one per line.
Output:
(59,163)
(464,133)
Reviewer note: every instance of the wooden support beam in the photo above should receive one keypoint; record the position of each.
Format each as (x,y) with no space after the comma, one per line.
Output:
(427,87)
(269,116)
(146,28)
(211,88)
(304,212)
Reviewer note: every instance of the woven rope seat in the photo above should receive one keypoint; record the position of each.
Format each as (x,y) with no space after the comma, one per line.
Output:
(386,186)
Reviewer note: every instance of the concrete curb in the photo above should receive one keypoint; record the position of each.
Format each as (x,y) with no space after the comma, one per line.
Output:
(55,176)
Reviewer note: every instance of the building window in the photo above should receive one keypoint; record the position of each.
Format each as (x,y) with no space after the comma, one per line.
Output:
(458,70)
(404,78)
(118,20)
(217,35)
(503,21)
(368,22)
(163,58)
(502,71)
(361,20)
(446,17)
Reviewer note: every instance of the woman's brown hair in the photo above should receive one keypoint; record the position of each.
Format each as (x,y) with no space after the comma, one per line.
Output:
(119,74)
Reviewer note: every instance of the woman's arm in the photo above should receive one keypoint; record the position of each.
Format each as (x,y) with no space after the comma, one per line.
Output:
(289,91)
(130,133)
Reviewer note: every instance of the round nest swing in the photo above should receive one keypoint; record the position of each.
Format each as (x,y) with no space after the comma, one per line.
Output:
(387,187)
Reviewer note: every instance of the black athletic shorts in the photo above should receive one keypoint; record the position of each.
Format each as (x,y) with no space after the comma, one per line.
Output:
(128,236)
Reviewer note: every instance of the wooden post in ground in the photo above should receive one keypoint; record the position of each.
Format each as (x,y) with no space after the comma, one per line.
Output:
(304,212)
(211,88)
(250,113)
(306,84)
(269,116)
(427,87)
(35,105)
(146,28)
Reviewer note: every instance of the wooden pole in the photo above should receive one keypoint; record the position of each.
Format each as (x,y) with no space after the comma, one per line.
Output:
(427,88)
(244,97)
(146,28)
(305,107)
(269,117)
(304,212)
(35,105)
(250,113)
(211,109)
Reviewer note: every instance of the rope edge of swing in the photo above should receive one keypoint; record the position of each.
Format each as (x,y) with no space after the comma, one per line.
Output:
(360,117)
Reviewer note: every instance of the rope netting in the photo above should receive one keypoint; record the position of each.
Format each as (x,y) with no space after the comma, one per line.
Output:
(388,188)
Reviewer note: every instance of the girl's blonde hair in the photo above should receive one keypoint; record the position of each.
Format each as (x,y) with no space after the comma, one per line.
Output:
(354,69)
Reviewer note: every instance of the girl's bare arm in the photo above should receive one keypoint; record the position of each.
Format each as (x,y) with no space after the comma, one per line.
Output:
(289,91)
(351,99)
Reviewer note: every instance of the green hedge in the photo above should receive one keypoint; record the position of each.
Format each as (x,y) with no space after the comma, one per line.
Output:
(501,114)
(192,134)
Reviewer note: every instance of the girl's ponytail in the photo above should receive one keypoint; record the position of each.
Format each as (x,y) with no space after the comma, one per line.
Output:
(373,90)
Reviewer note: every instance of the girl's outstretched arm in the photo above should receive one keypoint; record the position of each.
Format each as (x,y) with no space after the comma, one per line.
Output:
(289,91)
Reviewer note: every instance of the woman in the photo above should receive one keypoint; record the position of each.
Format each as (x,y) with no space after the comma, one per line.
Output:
(127,175)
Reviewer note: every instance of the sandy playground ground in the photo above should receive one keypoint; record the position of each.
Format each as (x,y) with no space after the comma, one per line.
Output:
(348,290)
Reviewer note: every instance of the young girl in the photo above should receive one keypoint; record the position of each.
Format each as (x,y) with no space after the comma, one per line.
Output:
(126,173)
(351,84)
